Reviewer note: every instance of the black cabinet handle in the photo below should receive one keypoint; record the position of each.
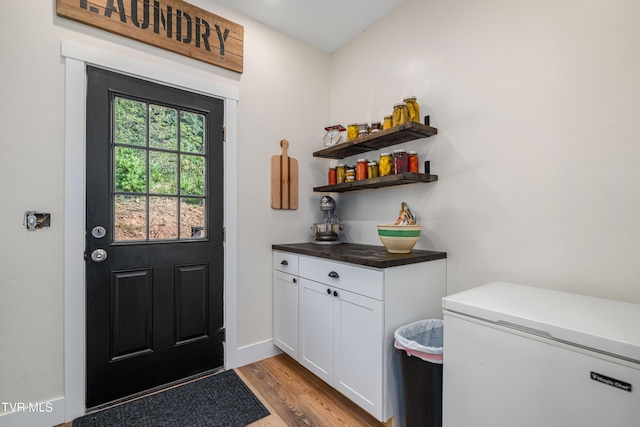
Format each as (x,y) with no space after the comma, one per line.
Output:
(335,293)
(295,280)
(284,262)
(334,275)
(329,291)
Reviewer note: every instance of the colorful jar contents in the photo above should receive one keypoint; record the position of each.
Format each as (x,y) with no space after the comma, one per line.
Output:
(341,172)
(350,175)
(386,164)
(333,176)
(400,161)
(373,170)
(413,109)
(352,131)
(361,169)
(400,114)
(376,127)
(387,122)
(412,158)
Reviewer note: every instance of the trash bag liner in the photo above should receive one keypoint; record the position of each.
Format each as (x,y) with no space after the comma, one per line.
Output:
(422,339)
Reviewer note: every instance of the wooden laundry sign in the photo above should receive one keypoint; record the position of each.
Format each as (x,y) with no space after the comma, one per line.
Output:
(168,24)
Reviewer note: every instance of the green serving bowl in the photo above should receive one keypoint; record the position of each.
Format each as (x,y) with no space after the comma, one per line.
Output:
(399,239)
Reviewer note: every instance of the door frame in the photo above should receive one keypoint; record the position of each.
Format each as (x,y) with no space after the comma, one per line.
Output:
(138,64)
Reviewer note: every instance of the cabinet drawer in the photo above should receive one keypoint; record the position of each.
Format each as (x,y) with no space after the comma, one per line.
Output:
(284,261)
(360,280)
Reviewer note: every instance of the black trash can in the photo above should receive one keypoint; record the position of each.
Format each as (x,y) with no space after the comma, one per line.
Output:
(420,348)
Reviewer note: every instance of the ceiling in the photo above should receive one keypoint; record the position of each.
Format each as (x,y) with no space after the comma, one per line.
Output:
(325,24)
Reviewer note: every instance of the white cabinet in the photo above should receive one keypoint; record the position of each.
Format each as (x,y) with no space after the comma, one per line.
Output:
(316,329)
(341,331)
(340,341)
(285,302)
(357,345)
(285,305)
(285,262)
(347,315)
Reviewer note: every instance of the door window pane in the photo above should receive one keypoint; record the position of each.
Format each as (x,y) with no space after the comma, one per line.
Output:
(192,175)
(130,125)
(163,127)
(130,170)
(192,218)
(163,172)
(159,172)
(192,132)
(163,218)
(130,217)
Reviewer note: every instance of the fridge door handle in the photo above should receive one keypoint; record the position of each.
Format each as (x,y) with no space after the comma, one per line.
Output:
(525,329)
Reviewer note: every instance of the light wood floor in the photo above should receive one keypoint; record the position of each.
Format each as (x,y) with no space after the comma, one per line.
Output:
(296,397)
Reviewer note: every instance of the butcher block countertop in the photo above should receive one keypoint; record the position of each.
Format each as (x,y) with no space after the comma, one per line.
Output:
(369,255)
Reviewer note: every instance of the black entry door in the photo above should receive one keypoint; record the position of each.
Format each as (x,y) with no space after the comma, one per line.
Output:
(154,253)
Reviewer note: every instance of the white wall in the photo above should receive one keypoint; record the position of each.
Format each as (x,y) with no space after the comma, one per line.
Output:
(281,78)
(537,107)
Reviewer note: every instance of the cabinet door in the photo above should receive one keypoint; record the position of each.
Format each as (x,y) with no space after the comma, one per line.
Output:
(358,349)
(285,312)
(316,328)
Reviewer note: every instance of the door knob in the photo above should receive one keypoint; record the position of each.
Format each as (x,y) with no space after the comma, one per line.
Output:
(99,255)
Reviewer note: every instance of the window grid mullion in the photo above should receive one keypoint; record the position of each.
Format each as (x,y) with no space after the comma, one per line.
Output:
(179,165)
(148,177)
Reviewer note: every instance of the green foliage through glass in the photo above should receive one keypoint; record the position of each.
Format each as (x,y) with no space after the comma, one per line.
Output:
(131,170)
(163,127)
(192,132)
(130,122)
(172,141)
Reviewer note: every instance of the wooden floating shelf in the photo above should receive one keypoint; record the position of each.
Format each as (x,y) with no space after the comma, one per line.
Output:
(375,141)
(383,181)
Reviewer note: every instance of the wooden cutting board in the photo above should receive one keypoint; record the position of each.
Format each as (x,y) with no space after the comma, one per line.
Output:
(284,180)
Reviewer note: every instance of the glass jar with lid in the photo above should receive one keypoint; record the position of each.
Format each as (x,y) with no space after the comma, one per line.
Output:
(386,164)
(361,169)
(387,122)
(400,114)
(352,131)
(413,109)
(412,158)
(350,175)
(363,130)
(332,176)
(373,170)
(400,163)
(341,171)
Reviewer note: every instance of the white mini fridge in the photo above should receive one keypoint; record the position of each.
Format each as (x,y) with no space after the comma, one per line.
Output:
(519,356)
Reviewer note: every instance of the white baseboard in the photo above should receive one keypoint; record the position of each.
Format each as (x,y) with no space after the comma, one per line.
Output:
(255,352)
(30,414)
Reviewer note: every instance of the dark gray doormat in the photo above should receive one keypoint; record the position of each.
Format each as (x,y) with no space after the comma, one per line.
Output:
(219,400)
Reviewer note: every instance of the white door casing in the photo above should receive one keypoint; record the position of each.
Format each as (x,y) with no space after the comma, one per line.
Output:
(138,64)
